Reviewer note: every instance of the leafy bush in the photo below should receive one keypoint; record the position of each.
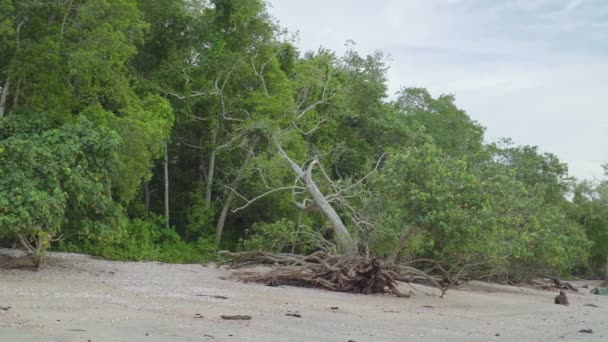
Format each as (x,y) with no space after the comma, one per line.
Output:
(271,237)
(468,214)
(144,240)
(200,218)
(281,236)
(54,181)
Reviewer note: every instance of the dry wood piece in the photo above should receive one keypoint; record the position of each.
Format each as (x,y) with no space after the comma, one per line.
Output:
(342,273)
(212,296)
(236,317)
(24,261)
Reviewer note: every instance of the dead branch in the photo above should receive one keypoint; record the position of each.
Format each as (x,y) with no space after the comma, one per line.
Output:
(260,73)
(236,317)
(185,97)
(250,201)
(345,240)
(362,179)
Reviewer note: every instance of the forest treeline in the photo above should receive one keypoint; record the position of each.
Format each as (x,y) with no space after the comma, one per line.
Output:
(169,129)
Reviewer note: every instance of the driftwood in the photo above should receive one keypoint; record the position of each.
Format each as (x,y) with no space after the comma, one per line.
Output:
(341,273)
(236,317)
(24,261)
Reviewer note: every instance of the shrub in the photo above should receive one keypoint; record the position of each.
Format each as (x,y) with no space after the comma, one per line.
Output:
(145,240)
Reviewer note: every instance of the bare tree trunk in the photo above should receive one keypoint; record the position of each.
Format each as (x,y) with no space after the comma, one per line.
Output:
(211,170)
(166,171)
(201,166)
(36,250)
(4,96)
(219,228)
(7,85)
(346,243)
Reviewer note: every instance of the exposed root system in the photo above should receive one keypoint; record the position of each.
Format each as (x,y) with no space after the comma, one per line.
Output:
(342,273)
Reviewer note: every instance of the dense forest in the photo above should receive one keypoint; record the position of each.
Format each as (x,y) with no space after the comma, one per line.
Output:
(170,129)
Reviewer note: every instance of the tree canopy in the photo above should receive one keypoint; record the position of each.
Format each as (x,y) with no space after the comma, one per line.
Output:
(121,117)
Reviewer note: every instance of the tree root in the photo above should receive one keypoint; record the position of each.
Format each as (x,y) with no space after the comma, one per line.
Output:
(564,285)
(341,273)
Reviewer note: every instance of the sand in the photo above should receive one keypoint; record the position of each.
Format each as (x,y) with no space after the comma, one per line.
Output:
(78,298)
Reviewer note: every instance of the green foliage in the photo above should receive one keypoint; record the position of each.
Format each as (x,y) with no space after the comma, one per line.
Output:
(101,89)
(69,59)
(535,169)
(200,218)
(56,180)
(468,216)
(69,55)
(140,240)
(451,128)
(281,237)
(274,237)
(589,208)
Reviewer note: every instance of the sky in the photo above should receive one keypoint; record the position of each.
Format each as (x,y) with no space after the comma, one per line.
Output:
(532,70)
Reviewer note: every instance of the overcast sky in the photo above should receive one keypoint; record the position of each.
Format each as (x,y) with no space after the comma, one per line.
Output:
(532,70)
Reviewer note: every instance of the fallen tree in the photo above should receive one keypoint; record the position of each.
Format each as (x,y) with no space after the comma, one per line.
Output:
(341,273)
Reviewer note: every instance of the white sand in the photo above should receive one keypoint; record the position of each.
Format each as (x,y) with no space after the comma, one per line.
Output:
(77,298)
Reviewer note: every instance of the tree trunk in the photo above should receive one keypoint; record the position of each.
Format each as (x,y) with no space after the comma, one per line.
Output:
(201,166)
(17,91)
(405,237)
(219,228)
(166,172)
(4,96)
(346,243)
(211,170)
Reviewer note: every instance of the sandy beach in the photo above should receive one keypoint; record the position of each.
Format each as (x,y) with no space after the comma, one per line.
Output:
(79,298)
